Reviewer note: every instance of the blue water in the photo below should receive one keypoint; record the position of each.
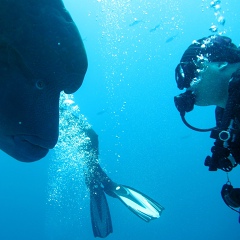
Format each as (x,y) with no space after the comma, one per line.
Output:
(133,48)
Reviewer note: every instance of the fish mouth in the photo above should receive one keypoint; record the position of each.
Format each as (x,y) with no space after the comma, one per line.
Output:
(31,148)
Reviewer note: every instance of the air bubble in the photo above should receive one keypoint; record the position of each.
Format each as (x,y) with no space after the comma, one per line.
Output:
(221,20)
(213,28)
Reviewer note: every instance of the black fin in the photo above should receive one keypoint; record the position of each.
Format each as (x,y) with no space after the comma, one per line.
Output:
(100,214)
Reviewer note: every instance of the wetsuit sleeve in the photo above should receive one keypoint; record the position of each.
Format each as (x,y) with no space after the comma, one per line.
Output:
(234,93)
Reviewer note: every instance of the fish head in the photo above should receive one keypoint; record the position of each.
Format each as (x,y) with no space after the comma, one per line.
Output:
(43,56)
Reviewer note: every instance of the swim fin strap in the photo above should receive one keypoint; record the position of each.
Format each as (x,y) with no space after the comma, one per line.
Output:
(100,214)
(139,203)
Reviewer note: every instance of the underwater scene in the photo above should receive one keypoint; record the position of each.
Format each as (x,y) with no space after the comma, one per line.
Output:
(127,98)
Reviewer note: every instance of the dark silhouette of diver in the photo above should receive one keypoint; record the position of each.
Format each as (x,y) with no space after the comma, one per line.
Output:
(99,183)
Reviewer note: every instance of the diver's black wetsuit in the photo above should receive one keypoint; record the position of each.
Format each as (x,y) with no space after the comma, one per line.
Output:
(227,132)
(227,144)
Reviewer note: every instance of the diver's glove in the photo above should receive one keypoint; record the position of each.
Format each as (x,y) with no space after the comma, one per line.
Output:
(231,196)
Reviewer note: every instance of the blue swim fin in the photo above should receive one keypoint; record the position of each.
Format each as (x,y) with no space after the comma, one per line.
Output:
(139,203)
(100,214)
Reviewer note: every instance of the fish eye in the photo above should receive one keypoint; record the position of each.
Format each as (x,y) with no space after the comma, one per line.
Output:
(40,84)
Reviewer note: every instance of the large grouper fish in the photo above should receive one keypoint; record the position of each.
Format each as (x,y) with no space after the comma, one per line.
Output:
(41,54)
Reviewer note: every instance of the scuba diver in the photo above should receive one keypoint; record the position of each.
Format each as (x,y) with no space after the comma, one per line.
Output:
(209,70)
(78,144)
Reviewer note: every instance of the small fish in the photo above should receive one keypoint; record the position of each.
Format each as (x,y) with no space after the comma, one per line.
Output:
(101,112)
(171,38)
(155,28)
(135,22)
(185,136)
